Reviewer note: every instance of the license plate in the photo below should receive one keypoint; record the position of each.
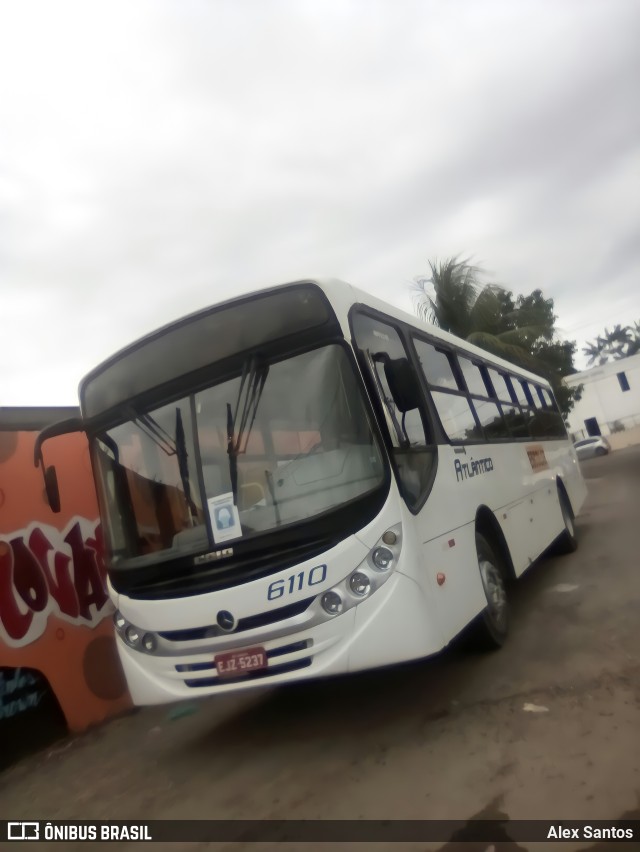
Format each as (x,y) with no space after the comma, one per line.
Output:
(238,663)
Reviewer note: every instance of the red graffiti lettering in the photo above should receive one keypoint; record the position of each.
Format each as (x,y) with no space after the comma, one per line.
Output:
(14,622)
(89,585)
(61,587)
(97,545)
(36,574)
(28,579)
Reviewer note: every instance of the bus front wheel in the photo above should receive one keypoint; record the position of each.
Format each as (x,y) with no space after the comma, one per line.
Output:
(491,627)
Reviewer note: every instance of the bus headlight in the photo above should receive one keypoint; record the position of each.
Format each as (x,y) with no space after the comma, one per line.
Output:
(382,558)
(332,603)
(132,636)
(359,584)
(149,642)
(364,580)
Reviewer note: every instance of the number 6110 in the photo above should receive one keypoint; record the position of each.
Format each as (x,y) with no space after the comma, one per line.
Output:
(297,582)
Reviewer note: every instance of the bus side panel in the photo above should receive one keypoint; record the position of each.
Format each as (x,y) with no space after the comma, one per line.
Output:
(536,521)
(530,525)
(517,483)
(393,626)
(467,478)
(453,567)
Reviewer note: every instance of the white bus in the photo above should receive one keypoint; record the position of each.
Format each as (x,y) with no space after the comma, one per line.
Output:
(306,481)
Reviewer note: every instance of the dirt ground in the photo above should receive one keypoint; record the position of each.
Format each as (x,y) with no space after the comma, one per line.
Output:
(446,738)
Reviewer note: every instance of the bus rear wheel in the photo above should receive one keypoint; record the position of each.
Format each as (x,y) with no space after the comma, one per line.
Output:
(492,625)
(567,542)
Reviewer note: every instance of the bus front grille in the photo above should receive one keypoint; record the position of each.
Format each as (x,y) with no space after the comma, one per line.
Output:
(250,622)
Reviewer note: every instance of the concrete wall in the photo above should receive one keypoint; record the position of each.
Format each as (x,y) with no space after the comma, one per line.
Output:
(625,439)
(604,399)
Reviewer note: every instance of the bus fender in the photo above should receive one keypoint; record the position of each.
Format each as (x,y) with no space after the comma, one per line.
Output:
(489,526)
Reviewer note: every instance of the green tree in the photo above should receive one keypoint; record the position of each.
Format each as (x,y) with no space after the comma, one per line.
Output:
(621,342)
(521,330)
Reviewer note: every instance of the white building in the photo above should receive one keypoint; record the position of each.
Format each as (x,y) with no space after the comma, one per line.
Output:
(610,398)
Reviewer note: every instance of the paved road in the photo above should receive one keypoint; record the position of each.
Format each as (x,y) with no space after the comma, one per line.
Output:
(447,738)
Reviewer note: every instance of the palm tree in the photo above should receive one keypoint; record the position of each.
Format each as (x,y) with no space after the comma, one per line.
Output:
(594,352)
(454,298)
(621,342)
(617,340)
(634,344)
(522,331)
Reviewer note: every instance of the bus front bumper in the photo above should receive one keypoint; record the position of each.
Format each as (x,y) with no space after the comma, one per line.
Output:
(391,626)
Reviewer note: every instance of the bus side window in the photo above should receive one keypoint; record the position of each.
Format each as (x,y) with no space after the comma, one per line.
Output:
(448,393)
(518,415)
(547,399)
(531,398)
(472,376)
(547,422)
(521,397)
(490,417)
(436,366)
(456,416)
(500,387)
(412,454)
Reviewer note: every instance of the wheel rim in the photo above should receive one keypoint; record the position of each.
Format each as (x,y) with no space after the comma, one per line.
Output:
(568,520)
(495,592)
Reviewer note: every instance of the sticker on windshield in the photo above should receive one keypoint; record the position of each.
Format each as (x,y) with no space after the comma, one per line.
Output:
(225,521)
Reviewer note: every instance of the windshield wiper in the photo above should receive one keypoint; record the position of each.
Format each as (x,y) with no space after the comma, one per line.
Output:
(240,421)
(183,465)
(171,445)
(154,431)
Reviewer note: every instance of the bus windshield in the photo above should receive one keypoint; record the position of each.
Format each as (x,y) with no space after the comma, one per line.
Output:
(277,445)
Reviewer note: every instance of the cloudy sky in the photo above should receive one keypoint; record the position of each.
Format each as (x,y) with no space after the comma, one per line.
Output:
(158,156)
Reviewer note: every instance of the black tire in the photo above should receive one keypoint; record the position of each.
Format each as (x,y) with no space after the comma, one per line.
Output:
(489,630)
(567,541)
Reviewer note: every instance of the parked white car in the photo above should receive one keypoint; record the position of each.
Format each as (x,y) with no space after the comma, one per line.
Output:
(589,447)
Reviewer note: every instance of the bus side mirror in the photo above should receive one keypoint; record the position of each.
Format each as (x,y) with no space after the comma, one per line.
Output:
(403,383)
(51,488)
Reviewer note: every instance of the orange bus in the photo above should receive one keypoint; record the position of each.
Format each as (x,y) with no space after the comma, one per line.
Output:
(58,659)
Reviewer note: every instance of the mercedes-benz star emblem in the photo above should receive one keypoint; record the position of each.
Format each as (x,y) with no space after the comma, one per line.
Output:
(226,621)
